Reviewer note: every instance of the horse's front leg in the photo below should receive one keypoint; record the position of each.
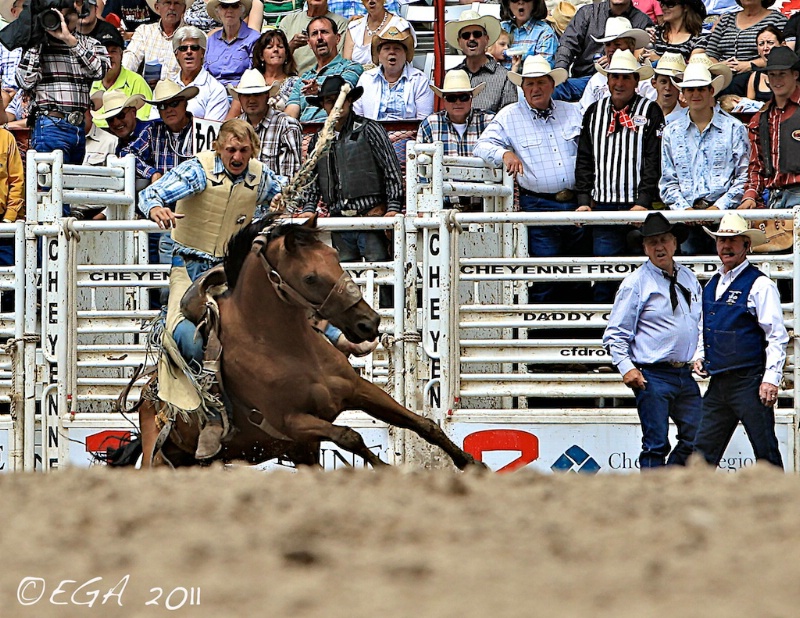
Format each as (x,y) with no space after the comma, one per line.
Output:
(381,406)
(305,428)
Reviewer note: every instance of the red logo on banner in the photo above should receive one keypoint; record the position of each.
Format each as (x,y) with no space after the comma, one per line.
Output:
(476,444)
(99,442)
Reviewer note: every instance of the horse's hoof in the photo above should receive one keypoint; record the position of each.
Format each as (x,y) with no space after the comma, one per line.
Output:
(208,444)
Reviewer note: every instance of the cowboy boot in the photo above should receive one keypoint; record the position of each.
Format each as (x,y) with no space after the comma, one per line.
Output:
(208,444)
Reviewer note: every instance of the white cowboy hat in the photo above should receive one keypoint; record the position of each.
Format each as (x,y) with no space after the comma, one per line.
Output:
(734,225)
(697,75)
(152,5)
(213,5)
(114,101)
(456,81)
(166,90)
(472,18)
(623,61)
(670,64)
(537,66)
(621,28)
(253,82)
(715,68)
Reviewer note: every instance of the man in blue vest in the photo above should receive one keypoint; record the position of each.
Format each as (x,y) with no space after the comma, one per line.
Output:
(745,348)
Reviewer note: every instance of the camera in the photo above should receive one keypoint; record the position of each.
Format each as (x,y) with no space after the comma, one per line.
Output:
(47,12)
(50,19)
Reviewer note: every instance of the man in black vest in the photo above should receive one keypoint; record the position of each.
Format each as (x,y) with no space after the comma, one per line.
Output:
(775,152)
(745,348)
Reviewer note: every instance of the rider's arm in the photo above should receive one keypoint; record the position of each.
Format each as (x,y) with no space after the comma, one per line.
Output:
(181,181)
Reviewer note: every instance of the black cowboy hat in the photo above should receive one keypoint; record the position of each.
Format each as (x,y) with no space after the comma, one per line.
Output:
(656,224)
(781,59)
(333,85)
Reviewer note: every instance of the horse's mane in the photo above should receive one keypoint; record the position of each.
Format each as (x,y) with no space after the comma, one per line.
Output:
(239,245)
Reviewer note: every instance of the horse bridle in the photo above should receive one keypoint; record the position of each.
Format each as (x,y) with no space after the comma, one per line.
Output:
(342,296)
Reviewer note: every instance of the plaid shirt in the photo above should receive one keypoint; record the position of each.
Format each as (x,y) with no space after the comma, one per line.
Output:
(349,8)
(150,44)
(536,36)
(348,69)
(189,179)
(499,90)
(281,142)
(157,149)
(61,76)
(8,67)
(438,128)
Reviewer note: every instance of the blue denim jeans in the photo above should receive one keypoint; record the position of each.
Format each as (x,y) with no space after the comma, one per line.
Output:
(607,241)
(732,397)
(554,241)
(355,246)
(51,134)
(191,347)
(671,393)
(571,90)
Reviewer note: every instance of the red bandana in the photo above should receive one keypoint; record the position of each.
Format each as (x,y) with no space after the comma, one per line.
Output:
(624,119)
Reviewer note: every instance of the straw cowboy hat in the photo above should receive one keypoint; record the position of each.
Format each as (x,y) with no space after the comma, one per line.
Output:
(623,61)
(537,66)
(167,90)
(697,75)
(213,5)
(734,225)
(670,64)
(333,85)
(561,16)
(472,18)
(393,35)
(621,28)
(456,81)
(114,101)
(715,68)
(252,82)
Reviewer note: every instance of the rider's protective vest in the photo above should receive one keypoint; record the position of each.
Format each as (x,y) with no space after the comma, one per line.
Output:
(788,144)
(216,214)
(349,170)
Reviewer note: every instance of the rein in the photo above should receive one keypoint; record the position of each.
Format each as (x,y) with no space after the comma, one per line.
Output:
(343,295)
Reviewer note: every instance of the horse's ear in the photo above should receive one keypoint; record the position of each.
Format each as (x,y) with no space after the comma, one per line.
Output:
(288,240)
(312,222)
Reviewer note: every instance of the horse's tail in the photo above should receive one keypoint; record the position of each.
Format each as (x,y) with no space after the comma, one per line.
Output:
(120,405)
(127,454)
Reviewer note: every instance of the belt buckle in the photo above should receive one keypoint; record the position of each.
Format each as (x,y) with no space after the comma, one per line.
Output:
(565,195)
(348,213)
(675,365)
(75,118)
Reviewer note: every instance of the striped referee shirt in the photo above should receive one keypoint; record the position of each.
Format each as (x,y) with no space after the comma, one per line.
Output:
(624,167)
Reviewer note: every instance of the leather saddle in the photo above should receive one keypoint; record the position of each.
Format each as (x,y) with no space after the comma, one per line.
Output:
(206,287)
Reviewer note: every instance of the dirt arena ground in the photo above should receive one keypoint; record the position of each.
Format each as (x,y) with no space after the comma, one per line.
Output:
(399,544)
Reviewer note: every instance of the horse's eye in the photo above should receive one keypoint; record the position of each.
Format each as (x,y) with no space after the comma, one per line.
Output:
(310,279)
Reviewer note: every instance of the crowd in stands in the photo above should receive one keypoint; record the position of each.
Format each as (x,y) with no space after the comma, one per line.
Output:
(612,105)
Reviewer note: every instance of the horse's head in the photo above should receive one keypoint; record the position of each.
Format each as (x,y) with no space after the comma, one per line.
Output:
(306,271)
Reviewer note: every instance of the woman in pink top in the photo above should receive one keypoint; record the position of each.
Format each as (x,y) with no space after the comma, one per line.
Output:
(651,8)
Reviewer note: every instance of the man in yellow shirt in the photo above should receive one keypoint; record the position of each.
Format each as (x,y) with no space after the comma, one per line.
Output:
(12,202)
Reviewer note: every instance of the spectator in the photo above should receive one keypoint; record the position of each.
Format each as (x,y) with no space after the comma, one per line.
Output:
(9,59)
(704,155)
(472,34)
(273,59)
(791,31)
(499,50)
(119,114)
(652,337)
(758,86)
(12,203)
(536,140)
(211,101)
(152,43)
(775,157)
(618,35)
(358,177)
(324,37)
(133,13)
(119,78)
(281,136)
(733,40)
(528,27)
(681,31)
(198,16)
(60,72)
(230,49)
(296,24)
(458,126)
(744,343)
(394,89)
(18,110)
(651,8)
(89,24)
(361,31)
(352,8)
(669,66)
(619,157)
(579,44)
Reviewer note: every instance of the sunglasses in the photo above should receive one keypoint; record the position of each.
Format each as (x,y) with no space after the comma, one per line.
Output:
(169,104)
(471,34)
(461,98)
(121,116)
(184,48)
(238,5)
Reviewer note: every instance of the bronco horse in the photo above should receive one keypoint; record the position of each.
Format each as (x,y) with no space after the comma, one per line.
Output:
(277,368)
